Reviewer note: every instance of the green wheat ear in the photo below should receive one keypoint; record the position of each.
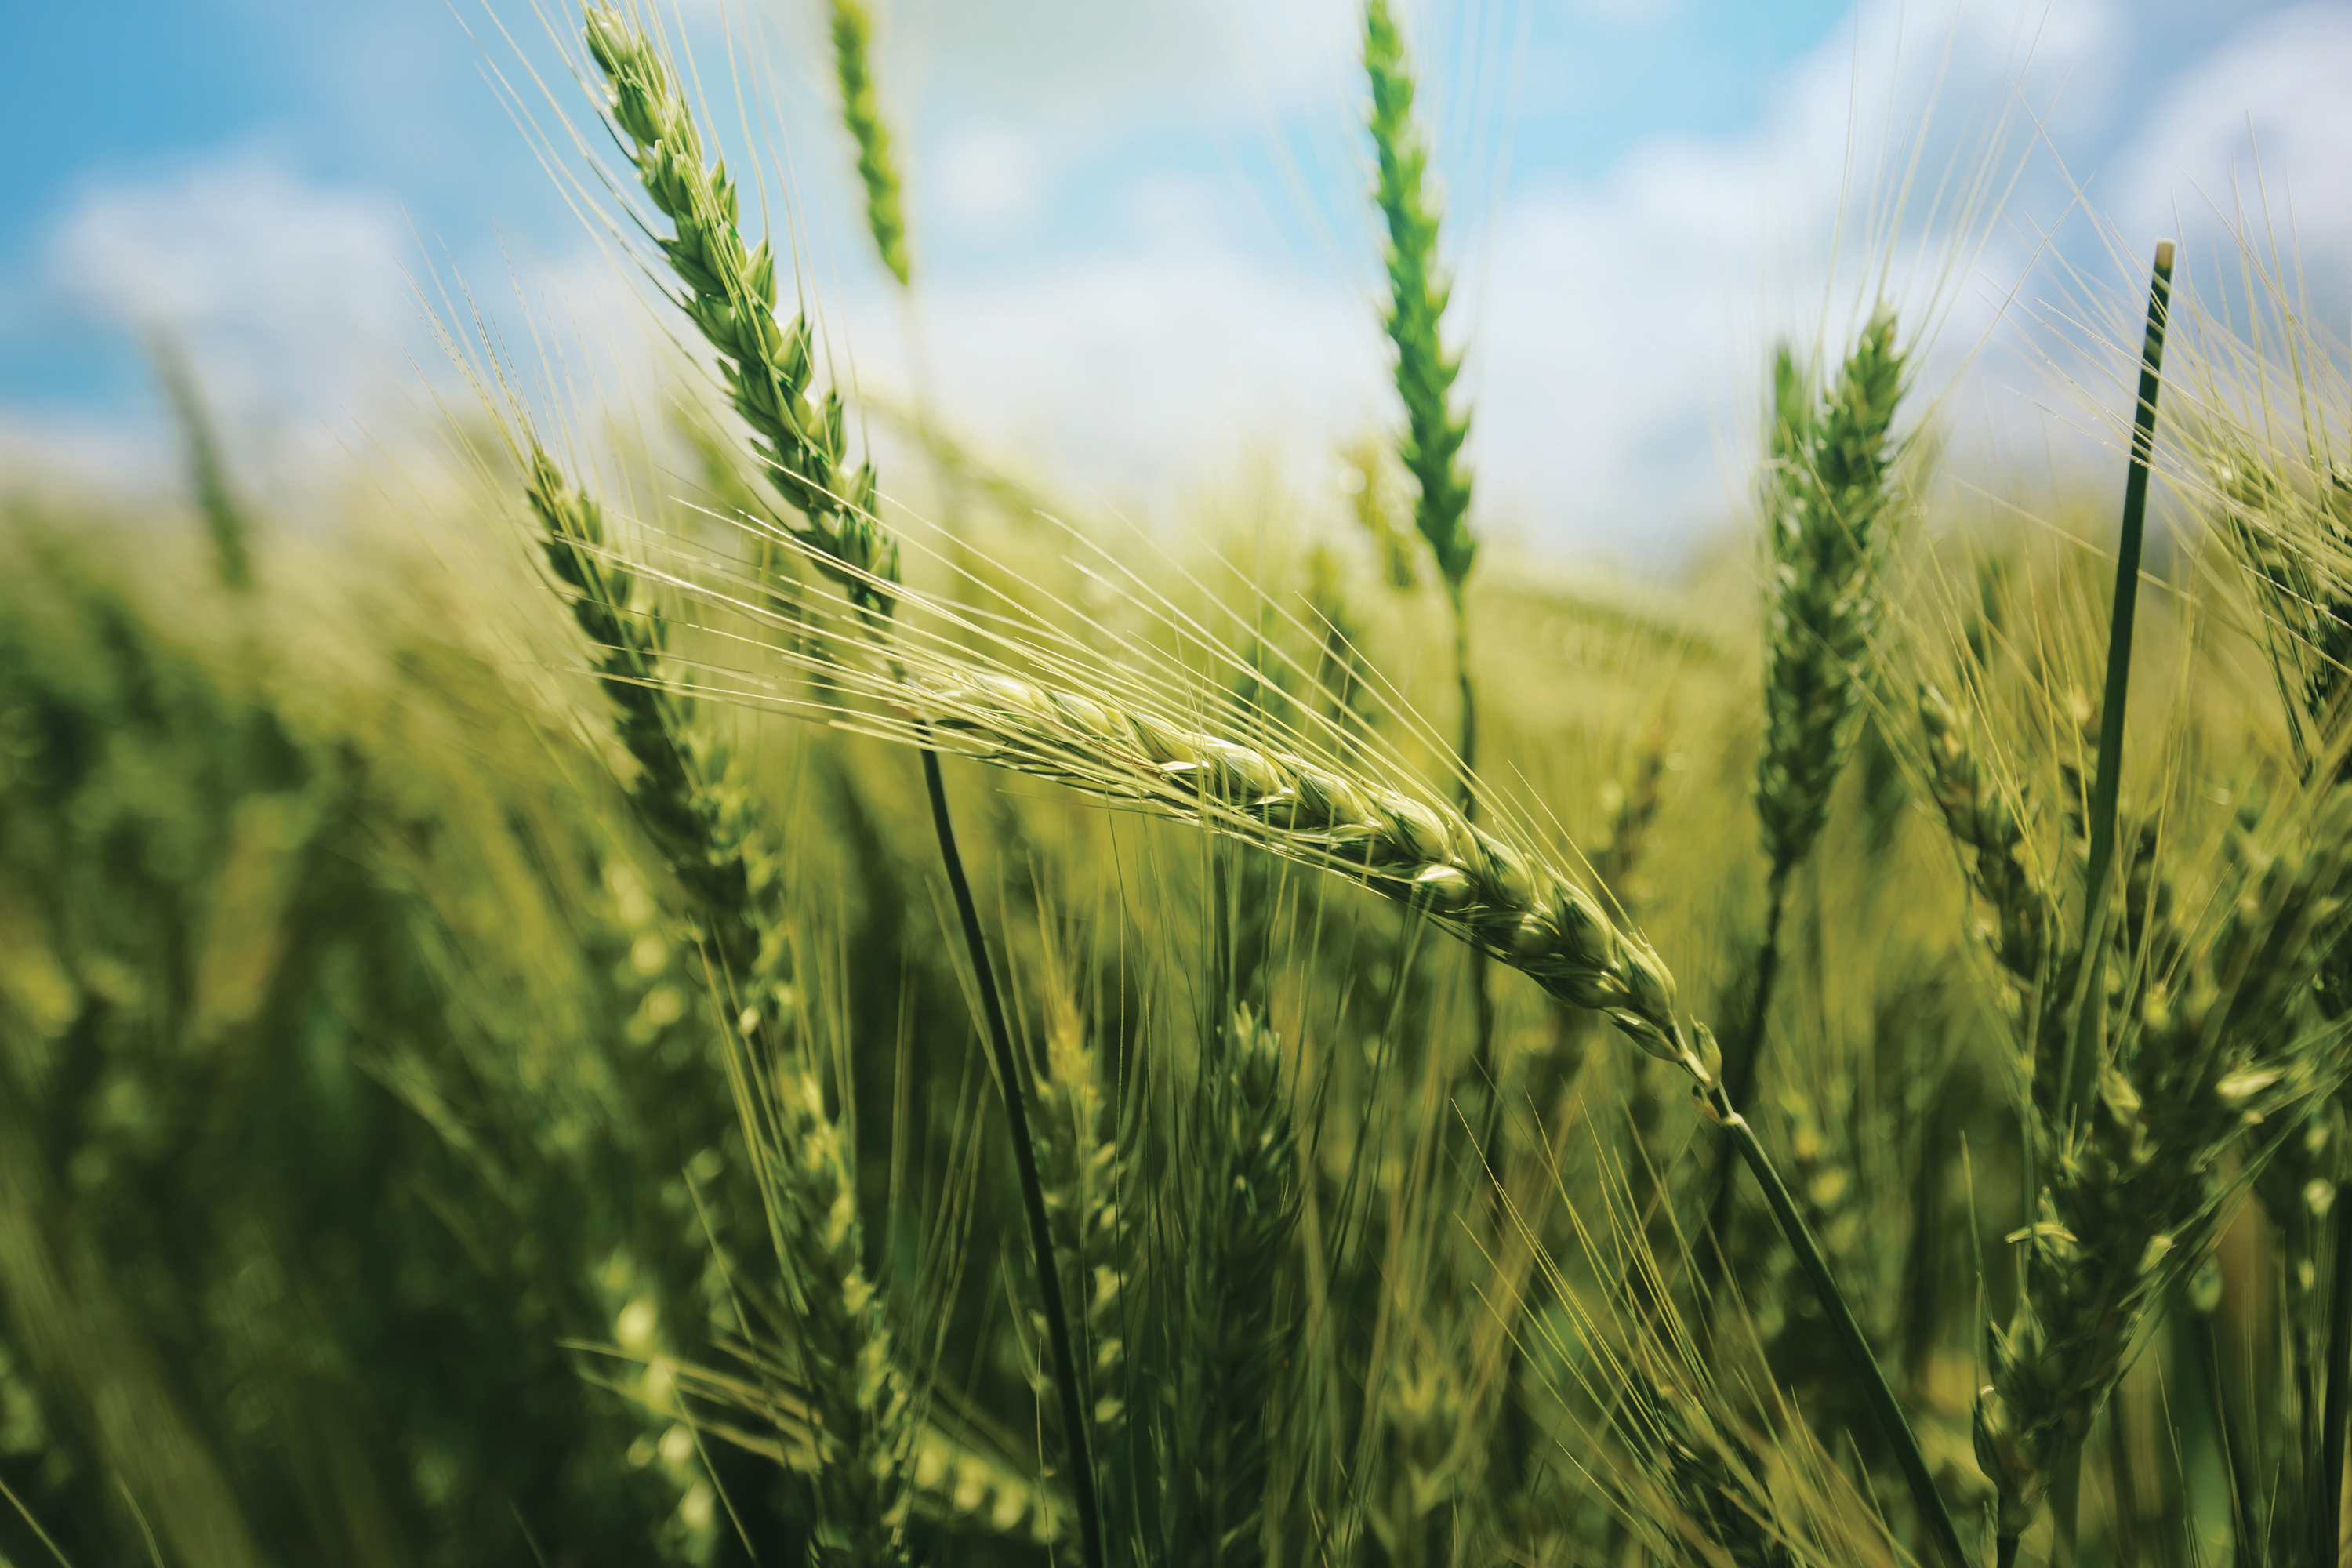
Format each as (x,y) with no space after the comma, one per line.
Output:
(1826,497)
(729,293)
(1418,292)
(861,112)
(225,517)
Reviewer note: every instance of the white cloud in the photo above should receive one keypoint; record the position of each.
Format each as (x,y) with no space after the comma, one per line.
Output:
(989,177)
(288,293)
(2269,109)
(1138,372)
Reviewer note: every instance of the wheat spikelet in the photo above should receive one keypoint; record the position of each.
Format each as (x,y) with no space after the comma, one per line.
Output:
(1984,822)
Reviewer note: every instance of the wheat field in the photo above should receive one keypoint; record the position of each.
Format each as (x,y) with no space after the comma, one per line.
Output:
(654,1003)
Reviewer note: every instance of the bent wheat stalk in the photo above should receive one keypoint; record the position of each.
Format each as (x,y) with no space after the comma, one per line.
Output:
(1503,899)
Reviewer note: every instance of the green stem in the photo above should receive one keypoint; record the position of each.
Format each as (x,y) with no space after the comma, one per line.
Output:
(2082,1053)
(2066,1508)
(2327,1515)
(2124,1485)
(2004,1550)
(1864,1366)
(1482,991)
(1740,1073)
(1032,1190)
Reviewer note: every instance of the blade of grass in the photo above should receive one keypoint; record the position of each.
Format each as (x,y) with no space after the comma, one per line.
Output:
(1933,1515)
(2079,1064)
(1033,1190)
(2327,1514)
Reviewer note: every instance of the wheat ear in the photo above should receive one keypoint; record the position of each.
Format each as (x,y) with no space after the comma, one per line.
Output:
(709,826)
(693,804)
(729,292)
(1825,493)
(1240,1210)
(861,112)
(2135,1188)
(864,1412)
(1087,1175)
(224,516)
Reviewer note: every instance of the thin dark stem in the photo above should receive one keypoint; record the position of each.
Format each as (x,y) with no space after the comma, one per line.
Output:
(2066,1508)
(1864,1366)
(2327,1515)
(2082,1048)
(1081,1465)
(1482,983)
(2004,1551)
(1740,1073)
(2078,1063)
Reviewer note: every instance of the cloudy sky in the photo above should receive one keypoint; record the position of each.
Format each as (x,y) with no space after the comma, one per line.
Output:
(1142,248)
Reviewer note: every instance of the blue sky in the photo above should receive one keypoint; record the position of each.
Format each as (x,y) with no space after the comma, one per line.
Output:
(1142,245)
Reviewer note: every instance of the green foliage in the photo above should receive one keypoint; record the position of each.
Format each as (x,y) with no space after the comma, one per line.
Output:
(465,1102)
(343,1083)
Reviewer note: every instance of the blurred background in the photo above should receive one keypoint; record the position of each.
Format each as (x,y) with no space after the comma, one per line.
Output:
(1142,247)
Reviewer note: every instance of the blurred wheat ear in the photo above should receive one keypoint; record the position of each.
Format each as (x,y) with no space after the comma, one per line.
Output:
(861,115)
(1828,501)
(226,519)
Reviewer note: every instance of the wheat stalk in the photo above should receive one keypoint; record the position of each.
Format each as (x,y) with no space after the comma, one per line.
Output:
(1418,294)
